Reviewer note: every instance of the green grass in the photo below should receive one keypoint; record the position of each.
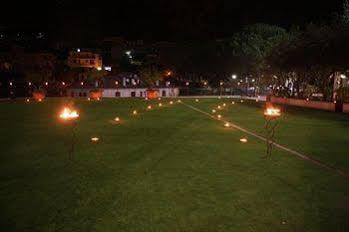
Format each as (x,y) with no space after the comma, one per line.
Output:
(169,169)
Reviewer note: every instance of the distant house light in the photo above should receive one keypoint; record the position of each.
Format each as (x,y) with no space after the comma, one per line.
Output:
(107,68)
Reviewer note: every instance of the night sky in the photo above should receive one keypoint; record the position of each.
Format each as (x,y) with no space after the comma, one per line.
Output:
(159,20)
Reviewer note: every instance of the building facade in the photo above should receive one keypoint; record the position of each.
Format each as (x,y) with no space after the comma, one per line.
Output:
(84,59)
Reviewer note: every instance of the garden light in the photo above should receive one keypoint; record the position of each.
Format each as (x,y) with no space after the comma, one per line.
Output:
(68,114)
(272,112)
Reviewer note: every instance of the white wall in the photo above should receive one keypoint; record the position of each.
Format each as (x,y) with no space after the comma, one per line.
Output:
(127,92)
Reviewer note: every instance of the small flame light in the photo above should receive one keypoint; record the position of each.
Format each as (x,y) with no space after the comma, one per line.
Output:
(213,111)
(187,83)
(242,101)
(146,99)
(233,103)
(224,104)
(171,102)
(197,100)
(98,99)
(160,104)
(94,139)
(149,107)
(46,83)
(68,114)
(63,83)
(27,100)
(243,140)
(221,83)
(88,99)
(29,83)
(117,119)
(219,97)
(307,99)
(219,107)
(10,83)
(272,112)
(134,112)
(227,124)
(116,82)
(219,116)
(40,100)
(179,101)
(81,83)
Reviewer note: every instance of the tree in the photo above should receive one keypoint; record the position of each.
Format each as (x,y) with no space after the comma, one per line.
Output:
(150,74)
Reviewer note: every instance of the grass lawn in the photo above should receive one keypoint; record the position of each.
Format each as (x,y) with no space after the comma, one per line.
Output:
(169,169)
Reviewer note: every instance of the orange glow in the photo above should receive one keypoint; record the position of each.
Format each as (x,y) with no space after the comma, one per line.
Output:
(63,83)
(227,124)
(27,100)
(117,119)
(68,114)
(272,112)
(149,107)
(169,73)
(243,140)
(40,100)
(160,104)
(224,104)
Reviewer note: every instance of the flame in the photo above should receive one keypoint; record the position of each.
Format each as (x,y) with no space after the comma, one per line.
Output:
(171,102)
(68,114)
(219,116)
(94,139)
(233,103)
(149,107)
(213,111)
(275,112)
(160,104)
(227,124)
(134,112)
(243,140)
(117,119)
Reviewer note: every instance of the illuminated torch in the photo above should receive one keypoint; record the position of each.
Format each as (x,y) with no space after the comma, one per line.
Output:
(70,115)
(270,115)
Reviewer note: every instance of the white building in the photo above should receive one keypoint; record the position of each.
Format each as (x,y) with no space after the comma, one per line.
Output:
(123,92)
